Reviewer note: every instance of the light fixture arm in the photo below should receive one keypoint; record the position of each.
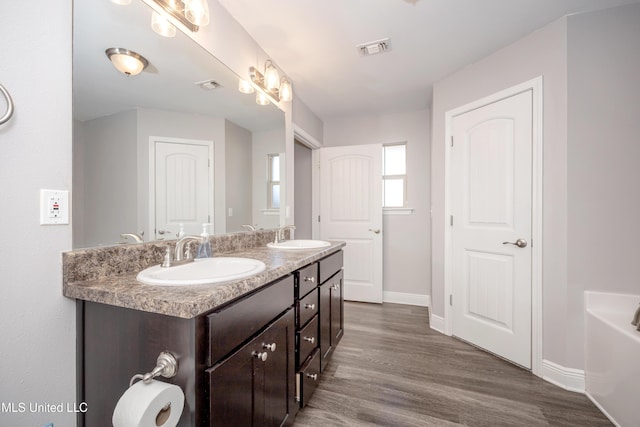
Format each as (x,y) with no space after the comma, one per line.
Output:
(258,79)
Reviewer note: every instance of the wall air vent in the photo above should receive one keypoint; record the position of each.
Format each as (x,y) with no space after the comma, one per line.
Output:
(373,48)
(208,84)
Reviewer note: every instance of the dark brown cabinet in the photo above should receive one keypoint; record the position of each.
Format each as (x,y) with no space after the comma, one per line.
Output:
(254,386)
(331,316)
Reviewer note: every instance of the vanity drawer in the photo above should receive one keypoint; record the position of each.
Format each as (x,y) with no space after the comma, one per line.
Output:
(307,279)
(307,340)
(307,379)
(234,324)
(329,266)
(307,307)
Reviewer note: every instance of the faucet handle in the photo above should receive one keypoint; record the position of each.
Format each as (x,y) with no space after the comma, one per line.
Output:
(167,258)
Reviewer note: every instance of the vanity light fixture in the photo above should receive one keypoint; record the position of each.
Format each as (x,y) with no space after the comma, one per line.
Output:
(121,2)
(244,86)
(193,14)
(162,26)
(126,61)
(271,86)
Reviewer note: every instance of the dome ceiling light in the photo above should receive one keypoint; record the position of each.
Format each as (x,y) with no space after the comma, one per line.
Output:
(126,61)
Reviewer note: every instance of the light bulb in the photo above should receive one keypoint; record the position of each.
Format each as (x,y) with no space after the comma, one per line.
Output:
(122,2)
(244,86)
(286,94)
(197,12)
(261,98)
(162,26)
(271,76)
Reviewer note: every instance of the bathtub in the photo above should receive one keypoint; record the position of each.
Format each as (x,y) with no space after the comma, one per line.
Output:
(612,356)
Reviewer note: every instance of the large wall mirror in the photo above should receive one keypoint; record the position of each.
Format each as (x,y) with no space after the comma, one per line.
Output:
(158,151)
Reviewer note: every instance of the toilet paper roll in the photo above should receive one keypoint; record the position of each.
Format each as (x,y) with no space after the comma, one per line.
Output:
(156,404)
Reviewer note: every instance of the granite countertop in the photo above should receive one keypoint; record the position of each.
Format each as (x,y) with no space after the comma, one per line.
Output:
(124,290)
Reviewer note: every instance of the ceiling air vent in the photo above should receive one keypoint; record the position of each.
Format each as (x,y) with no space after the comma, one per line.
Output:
(373,48)
(208,84)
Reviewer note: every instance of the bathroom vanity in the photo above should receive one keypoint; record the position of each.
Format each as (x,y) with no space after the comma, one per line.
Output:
(249,352)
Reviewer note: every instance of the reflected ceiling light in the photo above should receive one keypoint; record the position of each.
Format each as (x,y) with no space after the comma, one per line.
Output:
(126,61)
(193,14)
(161,25)
(122,2)
(244,86)
(270,84)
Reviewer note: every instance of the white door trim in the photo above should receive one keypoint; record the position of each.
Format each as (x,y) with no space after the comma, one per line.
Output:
(152,175)
(536,227)
(312,143)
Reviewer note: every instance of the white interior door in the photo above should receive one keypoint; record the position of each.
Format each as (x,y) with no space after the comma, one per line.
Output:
(351,211)
(491,236)
(182,190)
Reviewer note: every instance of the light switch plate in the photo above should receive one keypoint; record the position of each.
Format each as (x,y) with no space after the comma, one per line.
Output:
(54,207)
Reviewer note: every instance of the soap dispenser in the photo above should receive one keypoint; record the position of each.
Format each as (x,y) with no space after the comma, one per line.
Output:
(204,248)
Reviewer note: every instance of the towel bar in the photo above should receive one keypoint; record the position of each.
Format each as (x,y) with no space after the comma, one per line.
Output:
(9,112)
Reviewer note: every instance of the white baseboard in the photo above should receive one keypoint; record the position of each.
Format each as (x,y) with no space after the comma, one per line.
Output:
(436,323)
(567,378)
(408,299)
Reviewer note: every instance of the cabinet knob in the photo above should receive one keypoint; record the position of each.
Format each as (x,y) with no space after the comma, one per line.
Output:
(271,346)
(335,287)
(313,376)
(260,355)
(310,339)
(310,306)
(310,279)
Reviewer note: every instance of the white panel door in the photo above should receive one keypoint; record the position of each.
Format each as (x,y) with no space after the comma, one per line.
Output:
(183,187)
(351,211)
(491,236)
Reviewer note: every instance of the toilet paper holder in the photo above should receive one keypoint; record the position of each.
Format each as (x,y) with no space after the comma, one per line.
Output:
(166,366)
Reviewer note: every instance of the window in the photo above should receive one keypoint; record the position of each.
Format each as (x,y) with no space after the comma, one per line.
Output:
(394,175)
(273,181)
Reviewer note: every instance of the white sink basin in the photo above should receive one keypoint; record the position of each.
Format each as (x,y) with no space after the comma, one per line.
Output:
(299,244)
(202,272)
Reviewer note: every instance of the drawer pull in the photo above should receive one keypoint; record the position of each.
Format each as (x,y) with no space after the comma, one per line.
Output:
(313,377)
(271,346)
(310,339)
(260,355)
(310,279)
(310,306)
(335,287)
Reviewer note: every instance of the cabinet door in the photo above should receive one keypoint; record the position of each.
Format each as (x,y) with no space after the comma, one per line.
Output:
(331,316)
(255,385)
(278,373)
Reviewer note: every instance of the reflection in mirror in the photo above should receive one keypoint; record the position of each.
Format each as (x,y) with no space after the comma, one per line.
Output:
(167,149)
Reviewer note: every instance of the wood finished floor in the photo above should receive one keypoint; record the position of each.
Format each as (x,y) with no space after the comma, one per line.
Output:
(391,369)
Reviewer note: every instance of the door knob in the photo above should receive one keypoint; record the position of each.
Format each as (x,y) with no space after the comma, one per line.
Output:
(521,243)
(377,230)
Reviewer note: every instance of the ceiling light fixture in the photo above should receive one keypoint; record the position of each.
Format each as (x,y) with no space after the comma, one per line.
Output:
(193,14)
(126,61)
(121,2)
(270,84)
(244,86)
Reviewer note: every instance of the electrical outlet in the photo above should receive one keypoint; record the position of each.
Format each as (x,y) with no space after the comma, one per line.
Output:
(54,207)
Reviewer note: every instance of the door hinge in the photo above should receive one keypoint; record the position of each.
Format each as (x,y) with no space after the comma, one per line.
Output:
(451,220)
(452,140)
(318,218)
(450,299)
(209,218)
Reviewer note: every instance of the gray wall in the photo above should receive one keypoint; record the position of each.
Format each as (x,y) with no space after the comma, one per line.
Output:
(238,163)
(37,323)
(303,193)
(104,179)
(406,247)
(603,155)
(542,53)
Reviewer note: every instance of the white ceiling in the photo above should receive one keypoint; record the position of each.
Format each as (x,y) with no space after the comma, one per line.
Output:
(315,43)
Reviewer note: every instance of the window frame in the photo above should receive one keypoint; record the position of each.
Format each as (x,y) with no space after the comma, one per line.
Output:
(271,183)
(403,177)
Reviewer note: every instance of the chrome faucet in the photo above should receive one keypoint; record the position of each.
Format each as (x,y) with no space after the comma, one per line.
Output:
(135,236)
(636,319)
(180,244)
(279,237)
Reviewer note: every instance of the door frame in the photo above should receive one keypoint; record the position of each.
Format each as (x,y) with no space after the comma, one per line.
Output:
(536,86)
(152,176)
